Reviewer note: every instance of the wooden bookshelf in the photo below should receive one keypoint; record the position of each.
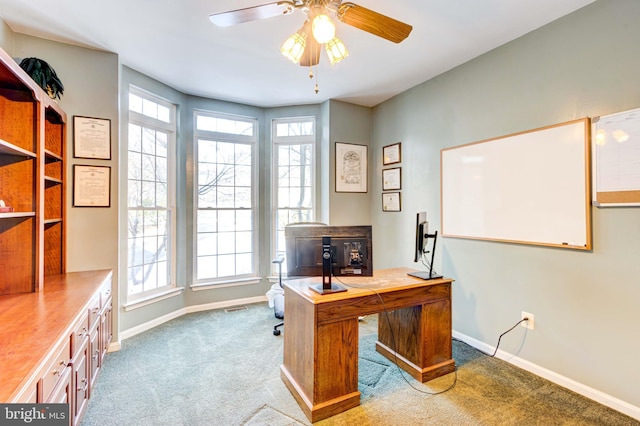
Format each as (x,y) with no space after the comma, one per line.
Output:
(32,182)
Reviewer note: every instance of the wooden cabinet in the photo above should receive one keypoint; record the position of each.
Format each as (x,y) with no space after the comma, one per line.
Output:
(57,340)
(32,187)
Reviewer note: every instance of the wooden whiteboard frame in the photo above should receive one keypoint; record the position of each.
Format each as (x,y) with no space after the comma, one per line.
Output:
(531,187)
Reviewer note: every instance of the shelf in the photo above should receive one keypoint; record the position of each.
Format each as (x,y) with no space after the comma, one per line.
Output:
(16,214)
(51,181)
(51,156)
(7,148)
(52,221)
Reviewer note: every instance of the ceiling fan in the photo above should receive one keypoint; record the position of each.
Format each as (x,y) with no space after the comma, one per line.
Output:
(305,50)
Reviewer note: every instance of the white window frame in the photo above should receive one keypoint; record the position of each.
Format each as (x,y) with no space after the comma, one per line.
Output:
(226,281)
(159,293)
(290,140)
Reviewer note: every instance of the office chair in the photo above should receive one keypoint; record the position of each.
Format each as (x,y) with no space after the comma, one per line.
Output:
(280,315)
(278,260)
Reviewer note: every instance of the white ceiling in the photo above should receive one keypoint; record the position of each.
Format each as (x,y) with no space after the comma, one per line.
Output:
(174,42)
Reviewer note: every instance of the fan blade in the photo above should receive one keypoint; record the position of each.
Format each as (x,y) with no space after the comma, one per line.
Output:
(248,14)
(311,55)
(373,22)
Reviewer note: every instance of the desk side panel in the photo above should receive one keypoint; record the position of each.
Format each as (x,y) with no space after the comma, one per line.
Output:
(299,343)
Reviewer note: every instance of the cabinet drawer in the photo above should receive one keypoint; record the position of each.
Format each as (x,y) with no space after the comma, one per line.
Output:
(56,368)
(80,334)
(94,311)
(105,293)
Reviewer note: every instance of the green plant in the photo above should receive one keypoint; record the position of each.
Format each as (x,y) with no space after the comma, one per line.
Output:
(44,76)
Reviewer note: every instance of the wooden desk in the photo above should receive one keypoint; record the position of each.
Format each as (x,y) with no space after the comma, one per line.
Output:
(320,365)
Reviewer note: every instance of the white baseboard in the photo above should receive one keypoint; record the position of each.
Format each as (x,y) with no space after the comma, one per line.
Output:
(125,334)
(584,390)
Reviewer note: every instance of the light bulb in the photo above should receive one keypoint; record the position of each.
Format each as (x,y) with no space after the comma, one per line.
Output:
(323,28)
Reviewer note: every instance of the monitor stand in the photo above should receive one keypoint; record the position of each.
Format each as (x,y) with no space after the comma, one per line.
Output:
(425,275)
(335,288)
(327,287)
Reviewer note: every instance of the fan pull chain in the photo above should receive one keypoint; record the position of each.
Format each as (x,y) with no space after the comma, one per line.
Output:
(317,89)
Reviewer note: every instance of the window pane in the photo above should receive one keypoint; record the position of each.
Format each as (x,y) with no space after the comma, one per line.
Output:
(225,173)
(294,165)
(135,103)
(149,220)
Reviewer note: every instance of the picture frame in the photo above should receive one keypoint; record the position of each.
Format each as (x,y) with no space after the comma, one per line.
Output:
(391,154)
(391,202)
(91,138)
(91,186)
(351,167)
(391,179)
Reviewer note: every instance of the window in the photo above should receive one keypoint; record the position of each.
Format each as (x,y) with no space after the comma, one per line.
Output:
(150,195)
(294,171)
(225,211)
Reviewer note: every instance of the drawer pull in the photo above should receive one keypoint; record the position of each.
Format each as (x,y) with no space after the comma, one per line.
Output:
(85,384)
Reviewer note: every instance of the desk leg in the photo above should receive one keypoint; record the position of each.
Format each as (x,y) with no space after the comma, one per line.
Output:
(418,339)
(320,365)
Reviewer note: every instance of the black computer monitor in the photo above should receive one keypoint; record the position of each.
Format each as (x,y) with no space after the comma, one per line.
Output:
(350,250)
(421,250)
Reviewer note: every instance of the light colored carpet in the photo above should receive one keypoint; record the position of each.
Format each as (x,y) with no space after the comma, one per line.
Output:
(222,368)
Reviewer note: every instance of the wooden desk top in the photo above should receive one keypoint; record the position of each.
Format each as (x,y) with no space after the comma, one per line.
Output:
(382,281)
(32,323)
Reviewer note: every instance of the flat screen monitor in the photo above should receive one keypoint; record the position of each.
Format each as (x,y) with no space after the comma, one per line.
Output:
(351,250)
(421,249)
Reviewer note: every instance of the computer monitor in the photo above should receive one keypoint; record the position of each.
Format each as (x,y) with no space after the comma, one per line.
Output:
(350,250)
(421,250)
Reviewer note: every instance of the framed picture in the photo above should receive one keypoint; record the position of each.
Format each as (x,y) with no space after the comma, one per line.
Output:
(391,154)
(351,167)
(391,202)
(391,179)
(91,138)
(91,186)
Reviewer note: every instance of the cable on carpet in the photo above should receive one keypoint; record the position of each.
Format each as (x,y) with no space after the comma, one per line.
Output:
(393,339)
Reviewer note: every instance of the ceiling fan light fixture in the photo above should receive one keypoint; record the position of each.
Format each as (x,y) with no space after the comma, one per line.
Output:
(293,47)
(336,50)
(323,28)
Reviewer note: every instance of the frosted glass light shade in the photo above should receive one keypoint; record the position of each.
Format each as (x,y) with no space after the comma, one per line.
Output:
(323,28)
(293,47)
(336,50)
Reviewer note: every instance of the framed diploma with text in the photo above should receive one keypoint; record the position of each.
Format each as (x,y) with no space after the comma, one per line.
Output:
(391,179)
(391,154)
(91,138)
(91,186)
(391,202)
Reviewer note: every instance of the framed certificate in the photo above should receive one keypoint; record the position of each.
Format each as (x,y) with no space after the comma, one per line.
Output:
(391,202)
(91,138)
(91,186)
(391,179)
(351,167)
(391,154)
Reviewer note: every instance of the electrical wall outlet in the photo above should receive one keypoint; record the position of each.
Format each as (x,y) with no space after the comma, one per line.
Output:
(530,323)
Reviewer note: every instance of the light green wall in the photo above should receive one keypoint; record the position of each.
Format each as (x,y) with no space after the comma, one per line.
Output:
(585,303)
(349,123)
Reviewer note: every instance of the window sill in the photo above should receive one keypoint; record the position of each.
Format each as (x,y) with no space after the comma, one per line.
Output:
(224,284)
(144,301)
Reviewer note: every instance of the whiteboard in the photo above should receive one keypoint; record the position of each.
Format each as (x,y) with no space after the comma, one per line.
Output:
(531,187)
(616,159)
